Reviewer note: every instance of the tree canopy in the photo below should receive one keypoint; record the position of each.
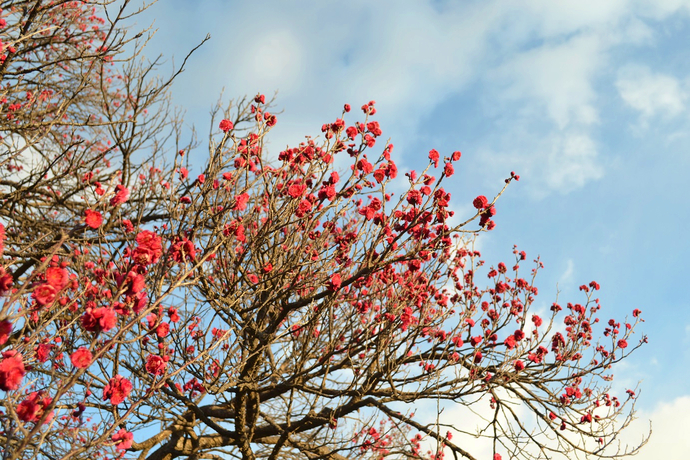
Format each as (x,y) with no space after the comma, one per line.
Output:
(272,305)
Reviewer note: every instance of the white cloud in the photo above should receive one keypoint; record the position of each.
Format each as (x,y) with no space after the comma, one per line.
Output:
(558,76)
(568,16)
(557,162)
(274,60)
(538,61)
(571,162)
(650,93)
(670,421)
(660,9)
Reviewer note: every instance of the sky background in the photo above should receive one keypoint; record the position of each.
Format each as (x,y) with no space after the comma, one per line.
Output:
(588,101)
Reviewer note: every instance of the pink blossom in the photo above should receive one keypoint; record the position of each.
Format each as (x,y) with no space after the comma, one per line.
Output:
(99,319)
(5,331)
(32,409)
(434,157)
(123,439)
(117,390)
(81,358)
(480,202)
(6,281)
(93,219)
(11,370)
(335,282)
(44,294)
(149,248)
(121,195)
(241,202)
(162,330)
(155,365)
(57,277)
(225,125)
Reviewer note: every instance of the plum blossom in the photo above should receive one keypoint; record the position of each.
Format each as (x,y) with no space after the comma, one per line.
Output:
(123,439)
(12,370)
(121,195)
(82,358)
(117,390)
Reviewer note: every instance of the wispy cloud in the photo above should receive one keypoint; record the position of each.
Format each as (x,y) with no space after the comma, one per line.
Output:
(557,76)
(539,63)
(650,93)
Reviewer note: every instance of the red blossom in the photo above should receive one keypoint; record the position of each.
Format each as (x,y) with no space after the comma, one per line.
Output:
(117,390)
(93,219)
(241,202)
(480,202)
(149,248)
(32,409)
(335,282)
(434,157)
(123,439)
(44,294)
(303,208)
(155,365)
(11,370)
(162,330)
(173,315)
(27,410)
(137,282)
(99,319)
(327,192)
(225,125)
(6,281)
(121,195)
(183,250)
(128,226)
(296,190)
(82,358)
(57,277)
(5,331)
(43,352)
(414,197)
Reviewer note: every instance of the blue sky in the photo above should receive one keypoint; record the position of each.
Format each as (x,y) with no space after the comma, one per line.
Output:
(587,100)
